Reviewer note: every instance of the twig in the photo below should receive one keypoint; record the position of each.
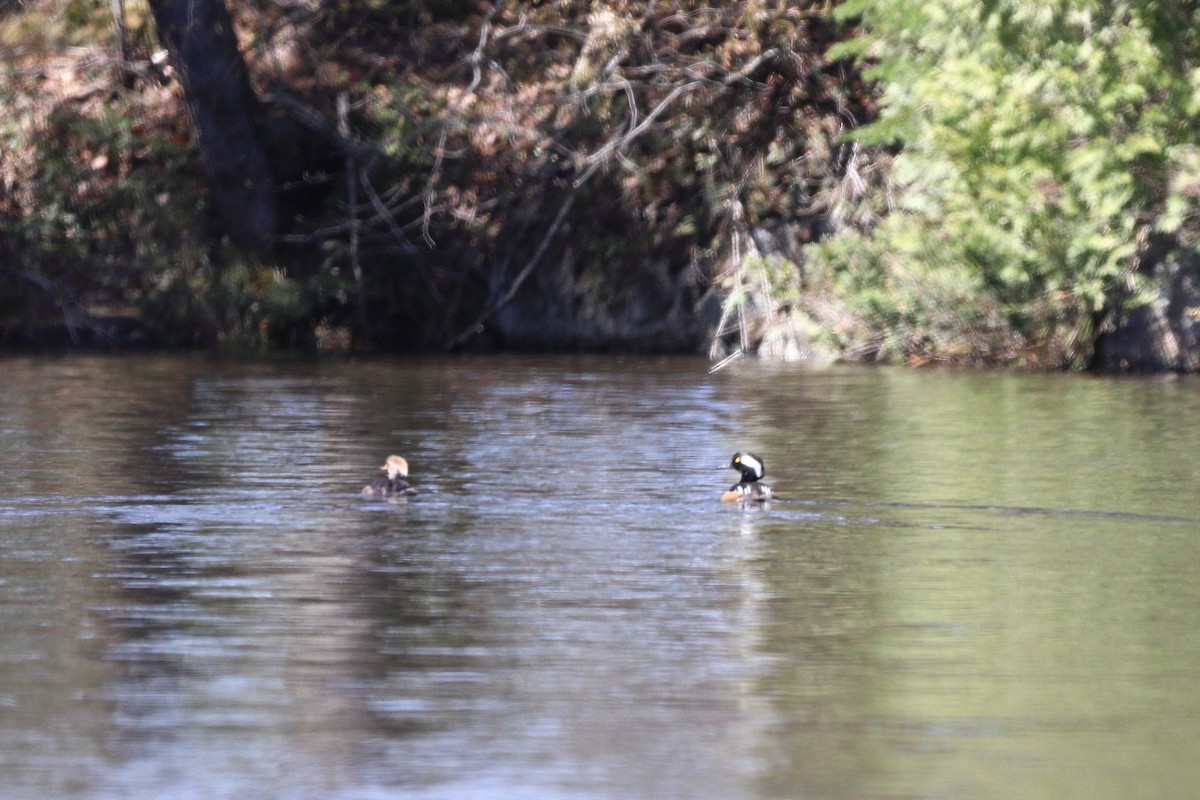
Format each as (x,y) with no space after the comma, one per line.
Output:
(398,234)
(117,7)
(726,361)
(54,289)
(598,158)
(343,108)
(475,59)
(313,121)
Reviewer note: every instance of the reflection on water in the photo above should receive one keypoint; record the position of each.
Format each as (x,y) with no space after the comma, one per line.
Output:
(978,585)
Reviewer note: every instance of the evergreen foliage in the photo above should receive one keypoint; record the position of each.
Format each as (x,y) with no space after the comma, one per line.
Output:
(1042,144)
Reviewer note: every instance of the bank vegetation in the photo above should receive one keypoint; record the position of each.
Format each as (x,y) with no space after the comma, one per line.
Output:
(875,180)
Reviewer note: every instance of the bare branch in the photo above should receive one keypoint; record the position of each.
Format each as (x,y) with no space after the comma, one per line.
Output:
(343,107)
(475,59)
(475,326)
(598,158)
(400,238)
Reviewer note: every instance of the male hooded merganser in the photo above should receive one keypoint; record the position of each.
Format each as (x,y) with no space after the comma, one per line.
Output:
(748,488)
(394,484)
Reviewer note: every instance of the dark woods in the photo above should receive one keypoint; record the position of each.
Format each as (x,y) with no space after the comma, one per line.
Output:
(433,176)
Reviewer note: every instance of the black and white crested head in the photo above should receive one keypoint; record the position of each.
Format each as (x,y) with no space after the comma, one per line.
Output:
(750,465)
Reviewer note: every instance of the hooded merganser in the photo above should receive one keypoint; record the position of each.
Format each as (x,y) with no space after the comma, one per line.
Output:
(748,488)
(394,484)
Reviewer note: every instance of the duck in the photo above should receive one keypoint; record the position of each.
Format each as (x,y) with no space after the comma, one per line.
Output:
(748,489)
(394,485)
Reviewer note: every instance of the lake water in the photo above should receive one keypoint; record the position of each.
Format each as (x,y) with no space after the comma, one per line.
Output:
(977,585)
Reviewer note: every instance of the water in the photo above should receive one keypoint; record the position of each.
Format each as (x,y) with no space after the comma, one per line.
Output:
(978,585)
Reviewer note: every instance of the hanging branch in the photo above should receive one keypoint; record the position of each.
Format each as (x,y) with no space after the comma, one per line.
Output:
(343,109)
(124,74)
(58,295)
(474,327)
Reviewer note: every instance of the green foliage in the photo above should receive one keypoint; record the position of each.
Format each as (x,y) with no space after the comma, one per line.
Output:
(876,302)
(1041,142)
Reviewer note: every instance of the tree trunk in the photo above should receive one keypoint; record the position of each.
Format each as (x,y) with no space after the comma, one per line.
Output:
(199,36)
